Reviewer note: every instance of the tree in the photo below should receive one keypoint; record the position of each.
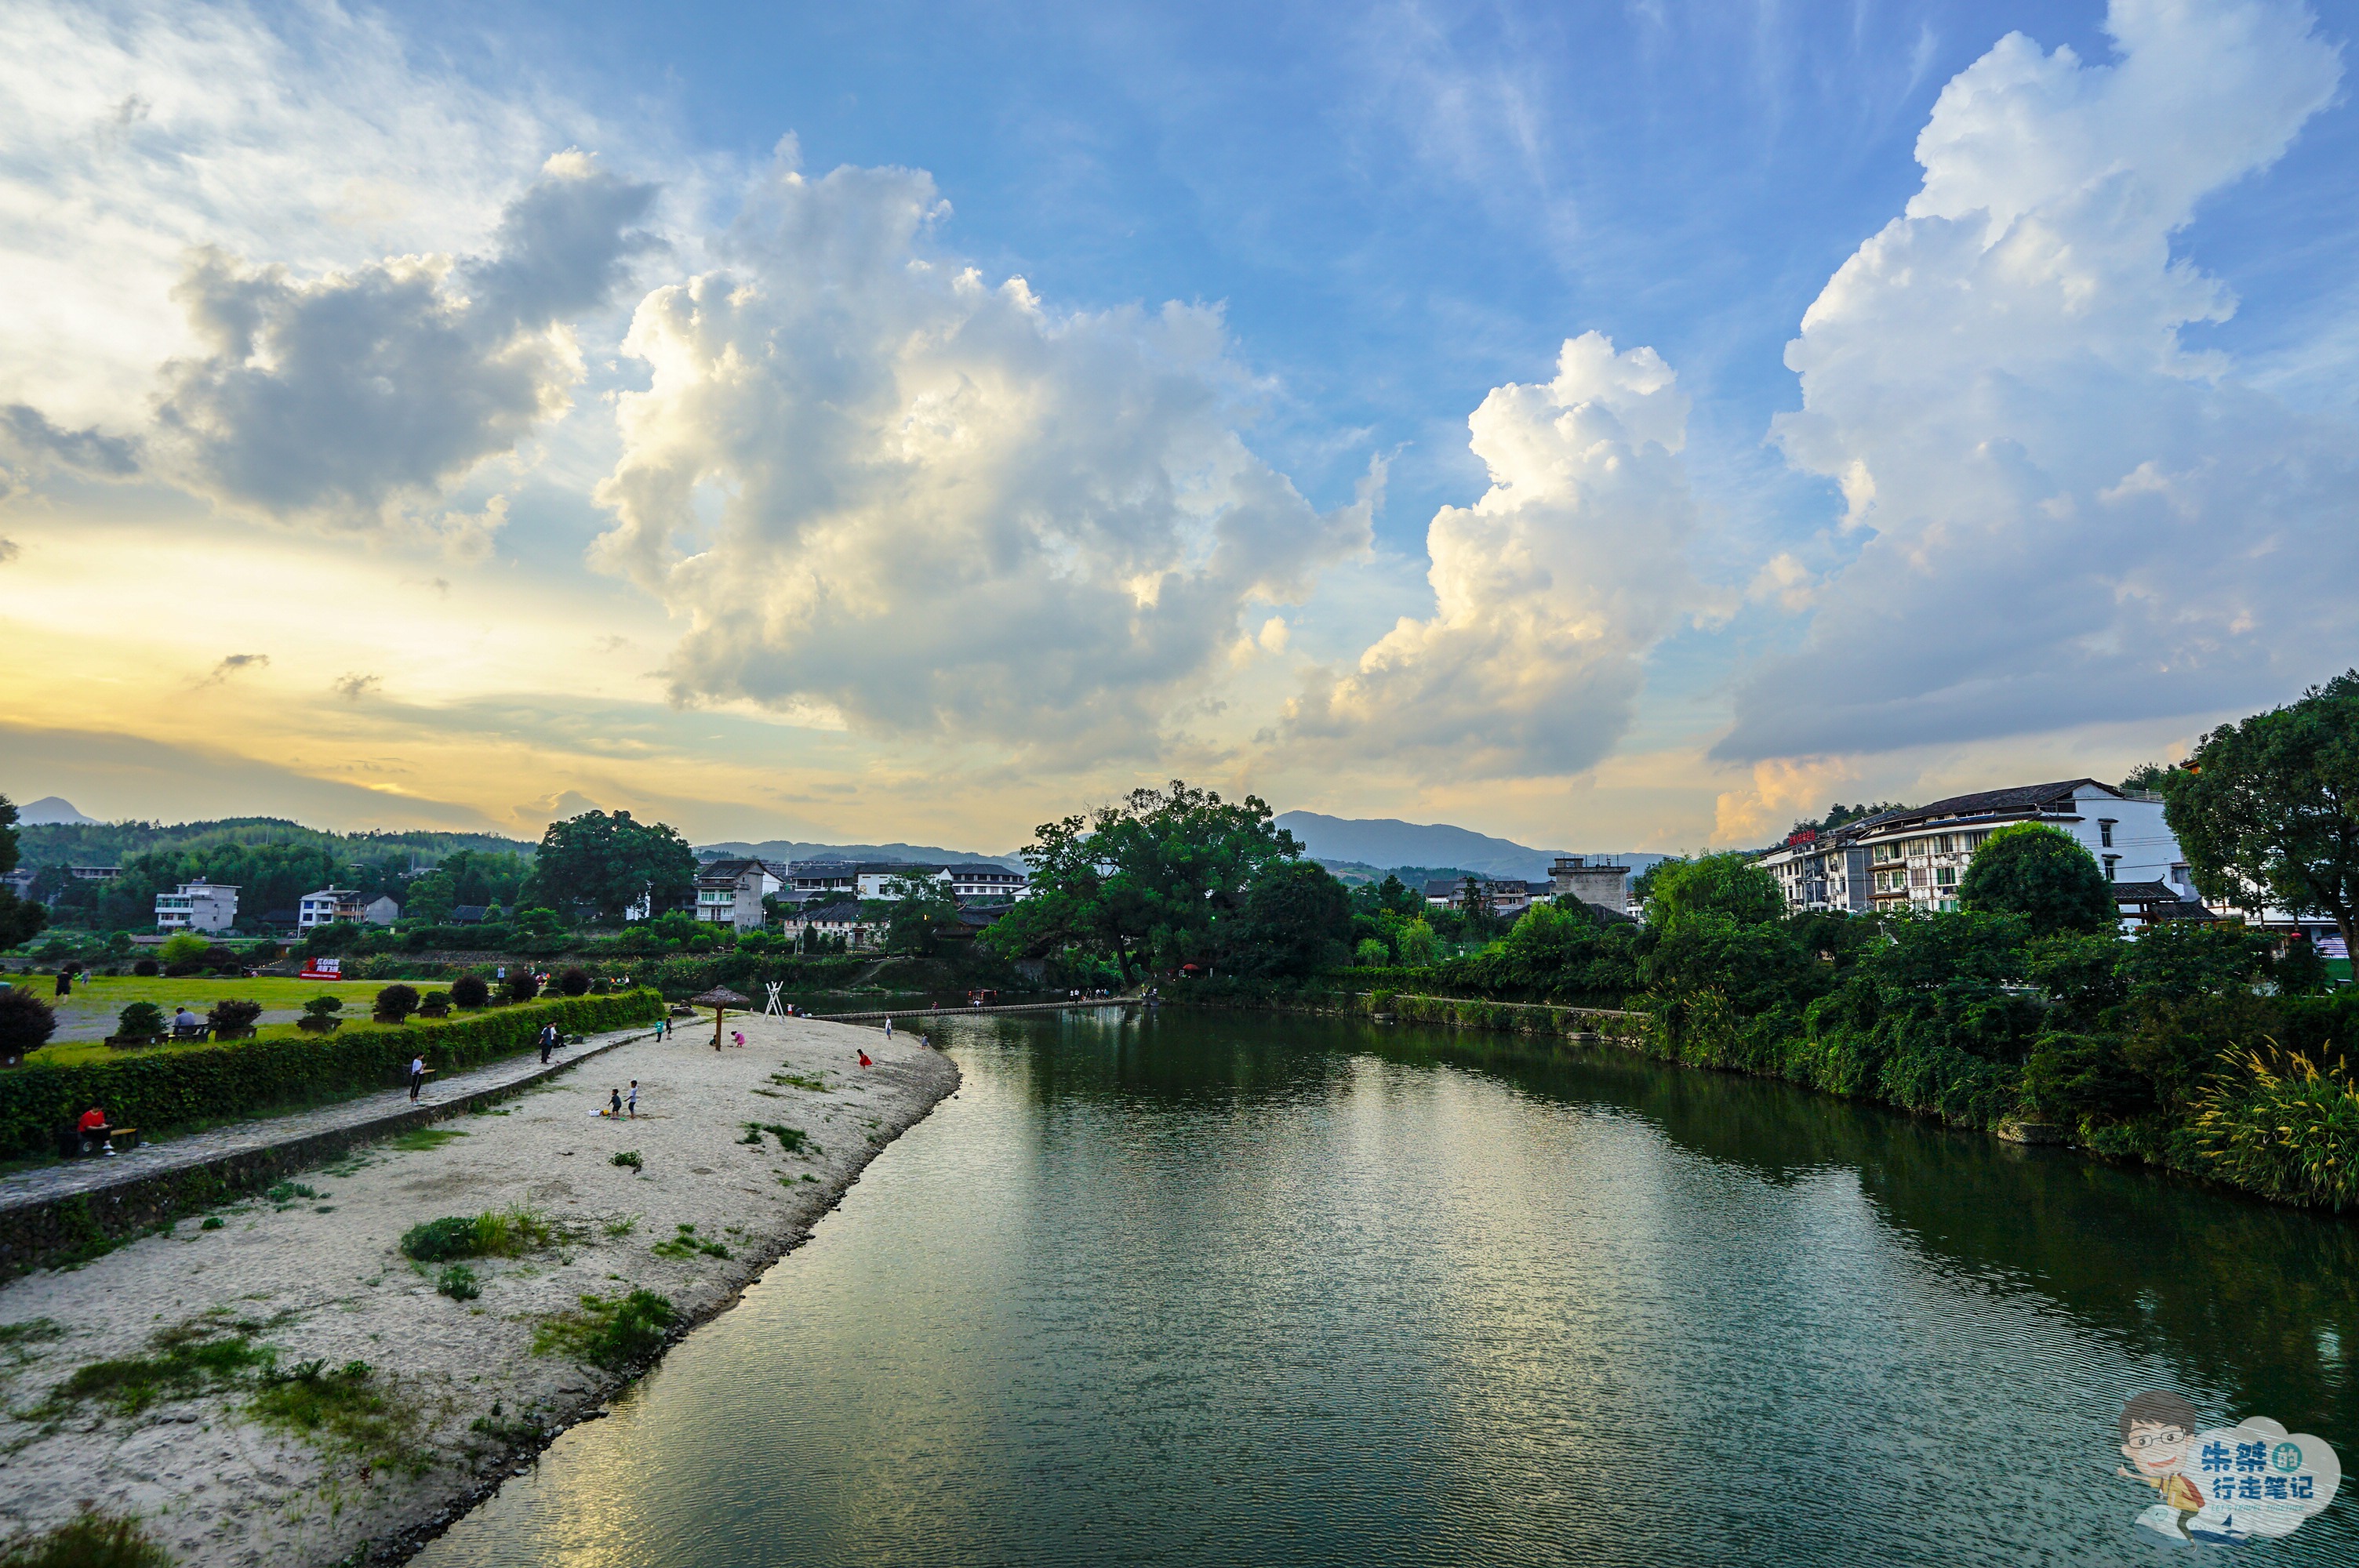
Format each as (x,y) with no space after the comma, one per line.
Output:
(470,991)
(19,920)
(1296,920)
(1727,885)
(184,948)
(395,1003)
(1147,880)
(26,1021)
(2145,778)
(922,908)
(2043,874)
(2268,808)
(609,863)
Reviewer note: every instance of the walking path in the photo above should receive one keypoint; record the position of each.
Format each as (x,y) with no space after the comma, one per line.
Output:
(97,1173)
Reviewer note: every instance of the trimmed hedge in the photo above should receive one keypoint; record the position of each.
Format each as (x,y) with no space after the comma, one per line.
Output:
(156,1093)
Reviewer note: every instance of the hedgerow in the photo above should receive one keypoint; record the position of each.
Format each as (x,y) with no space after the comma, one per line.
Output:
(167,1089)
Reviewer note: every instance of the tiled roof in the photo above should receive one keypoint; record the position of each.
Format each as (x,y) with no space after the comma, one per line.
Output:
(845,912)
(1986,803)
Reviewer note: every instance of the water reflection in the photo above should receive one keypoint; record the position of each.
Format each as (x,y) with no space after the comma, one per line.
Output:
(1233,1289)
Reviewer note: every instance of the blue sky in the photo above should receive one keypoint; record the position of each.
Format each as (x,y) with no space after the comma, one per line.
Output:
(1386,217)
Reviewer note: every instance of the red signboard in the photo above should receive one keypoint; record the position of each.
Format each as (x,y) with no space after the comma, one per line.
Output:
(322,970)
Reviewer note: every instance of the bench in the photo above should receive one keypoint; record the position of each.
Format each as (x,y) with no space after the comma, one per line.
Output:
(127,1136)
(192,1031)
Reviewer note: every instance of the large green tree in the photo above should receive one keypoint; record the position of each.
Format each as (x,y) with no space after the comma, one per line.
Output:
(2269,808)
(1727,885)
(20,919)
(1145,881)
(610,863)
(1295,922)
(2043,874)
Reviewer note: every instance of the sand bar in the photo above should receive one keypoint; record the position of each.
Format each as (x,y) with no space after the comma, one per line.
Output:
(320,1278)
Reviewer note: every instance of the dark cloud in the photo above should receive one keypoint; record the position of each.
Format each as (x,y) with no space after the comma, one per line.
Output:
(233,665)
(352,688)
(344,395)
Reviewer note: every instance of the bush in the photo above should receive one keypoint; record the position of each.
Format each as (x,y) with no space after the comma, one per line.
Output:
(161,1090)
(434,1004)
(457,1282)
(470,991)
(520,985)
(233,1013)
(26,1021)
(320,1014)
(147,968)
(184,948)
(495,1233)
(138,1020)
(395,1003)
(573,983)
(183,970)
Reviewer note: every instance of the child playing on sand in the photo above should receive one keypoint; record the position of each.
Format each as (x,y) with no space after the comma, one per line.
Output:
(616,1107)
(635,1099)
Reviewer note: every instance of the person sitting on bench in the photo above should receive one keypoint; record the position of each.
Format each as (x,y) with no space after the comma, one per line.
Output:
(184,1022)
(94,1127)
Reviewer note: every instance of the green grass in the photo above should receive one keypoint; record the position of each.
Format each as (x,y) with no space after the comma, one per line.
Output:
(627,1159)
(92,1541)
(189,1359)
(418,1139)
(345,1409)
(817,1085)
(611,1331)
(495,1233)
(458,1282)
(792,1140)
(687,1244)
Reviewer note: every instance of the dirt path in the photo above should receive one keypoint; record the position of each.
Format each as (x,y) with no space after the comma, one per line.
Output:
(197,1324)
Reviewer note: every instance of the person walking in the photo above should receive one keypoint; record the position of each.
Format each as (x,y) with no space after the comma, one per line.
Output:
(889,1026)
(635,1099)
(417,1078)
(615,1103)
(548,1039)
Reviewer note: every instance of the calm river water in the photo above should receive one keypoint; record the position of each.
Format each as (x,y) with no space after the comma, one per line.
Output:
(1205,1288)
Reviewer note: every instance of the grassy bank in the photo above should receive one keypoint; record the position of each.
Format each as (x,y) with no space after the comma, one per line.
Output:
(161,1089)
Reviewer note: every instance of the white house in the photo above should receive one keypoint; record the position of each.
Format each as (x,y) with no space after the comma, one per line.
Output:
(1915,859)
(730,892)
(327,906)
(842,919)
(876,878)
(197,906)
(982,882)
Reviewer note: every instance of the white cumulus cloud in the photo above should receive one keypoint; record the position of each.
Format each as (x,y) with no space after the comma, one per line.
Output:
(2070,517)
(1548,591)
(881,487)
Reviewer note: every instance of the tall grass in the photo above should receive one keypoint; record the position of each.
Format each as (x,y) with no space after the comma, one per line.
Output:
(2280,1124)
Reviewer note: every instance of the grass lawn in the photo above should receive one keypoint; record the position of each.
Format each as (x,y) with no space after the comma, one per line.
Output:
(114,995)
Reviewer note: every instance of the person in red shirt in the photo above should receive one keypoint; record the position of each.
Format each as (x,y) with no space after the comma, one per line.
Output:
(93,1126)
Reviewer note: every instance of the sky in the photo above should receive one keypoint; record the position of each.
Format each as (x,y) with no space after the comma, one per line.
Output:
(1620,426)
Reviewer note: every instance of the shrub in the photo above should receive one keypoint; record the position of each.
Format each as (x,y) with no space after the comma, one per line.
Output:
(147,968)
(182,971)
(184,948)
(520,985)
(26,1021)
(628,1160)
(457,1282)
(434,1004)
(232,1013)
(167,1089)
(495,1233)
(2282,1127)
(320,1014)
(575,983)
(470,991)
(139,1020)
(395,1003)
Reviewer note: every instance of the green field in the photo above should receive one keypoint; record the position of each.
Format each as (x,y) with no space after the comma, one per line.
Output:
(114,995)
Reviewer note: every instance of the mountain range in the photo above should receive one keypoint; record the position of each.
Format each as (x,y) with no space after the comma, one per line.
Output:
(1387,841)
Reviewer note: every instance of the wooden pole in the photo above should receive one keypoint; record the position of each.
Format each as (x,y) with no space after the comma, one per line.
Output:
(717,1011)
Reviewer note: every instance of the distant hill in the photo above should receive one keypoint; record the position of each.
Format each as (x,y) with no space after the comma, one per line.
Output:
(53,810)
(787,849)
(90,843)
(1363,842)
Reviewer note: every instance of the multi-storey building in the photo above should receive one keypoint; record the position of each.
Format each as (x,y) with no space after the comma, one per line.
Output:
(197,906)
(1917,858)
(730,892)
(1604,884)
(327,906)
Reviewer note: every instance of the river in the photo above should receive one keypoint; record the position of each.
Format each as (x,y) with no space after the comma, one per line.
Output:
(1228,1288)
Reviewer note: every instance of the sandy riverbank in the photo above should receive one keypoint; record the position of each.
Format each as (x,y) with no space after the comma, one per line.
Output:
(456,1384)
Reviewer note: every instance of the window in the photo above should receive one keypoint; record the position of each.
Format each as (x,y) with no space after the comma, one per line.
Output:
(1947,876)
(2105,831)
(2110,861)
(1949,906)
